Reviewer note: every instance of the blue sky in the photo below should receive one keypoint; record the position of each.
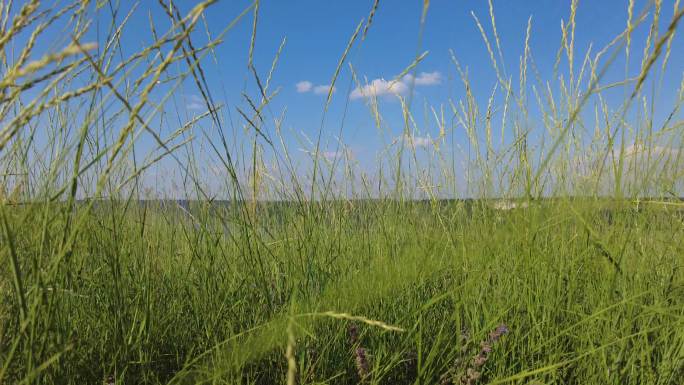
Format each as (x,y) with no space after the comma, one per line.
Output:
(317,33)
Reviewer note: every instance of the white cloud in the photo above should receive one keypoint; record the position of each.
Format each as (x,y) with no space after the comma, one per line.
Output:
(323,89)
(425,78)
(380,87)
(304,86)
(195,103)
(641,150)
(634,154)
(645,168)
(332,155)
(418,141)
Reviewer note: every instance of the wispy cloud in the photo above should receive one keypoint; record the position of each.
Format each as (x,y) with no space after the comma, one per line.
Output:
(342,154)
(377,87)
(304,86)
(323,89)
(425,78)
(195,103)
(380,87)
(639,166)
(641,150)
(418,141)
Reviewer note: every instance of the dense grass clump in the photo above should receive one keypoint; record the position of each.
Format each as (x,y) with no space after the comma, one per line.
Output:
(554,257)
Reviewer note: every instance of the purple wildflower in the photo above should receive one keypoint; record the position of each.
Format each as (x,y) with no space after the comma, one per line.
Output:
(353,334)
(362,367)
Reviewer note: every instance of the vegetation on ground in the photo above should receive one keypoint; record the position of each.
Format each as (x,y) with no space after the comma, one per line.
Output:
(555,259)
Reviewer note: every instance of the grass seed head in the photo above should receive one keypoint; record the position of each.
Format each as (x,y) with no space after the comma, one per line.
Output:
(362,366)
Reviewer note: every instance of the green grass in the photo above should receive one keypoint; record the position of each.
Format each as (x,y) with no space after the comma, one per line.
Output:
(321,275)
(174,303)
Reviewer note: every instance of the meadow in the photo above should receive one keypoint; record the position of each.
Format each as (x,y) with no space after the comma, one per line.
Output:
(554,256)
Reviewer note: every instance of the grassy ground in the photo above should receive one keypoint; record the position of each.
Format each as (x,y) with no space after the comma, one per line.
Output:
(586,297)
(293,281)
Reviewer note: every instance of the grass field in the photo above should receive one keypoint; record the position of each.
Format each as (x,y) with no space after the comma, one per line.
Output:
(556,259)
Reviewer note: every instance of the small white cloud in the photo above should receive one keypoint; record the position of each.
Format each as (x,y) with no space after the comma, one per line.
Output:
(418,141)
(195,103)
(332,155)
(425,78)
(380,87)
(645,162)
(323,89)
(304,86)
(642,150)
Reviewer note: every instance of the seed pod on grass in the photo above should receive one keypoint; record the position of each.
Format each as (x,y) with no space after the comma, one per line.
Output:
(362,367)
(353,334)
(471,376)
(472,373)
